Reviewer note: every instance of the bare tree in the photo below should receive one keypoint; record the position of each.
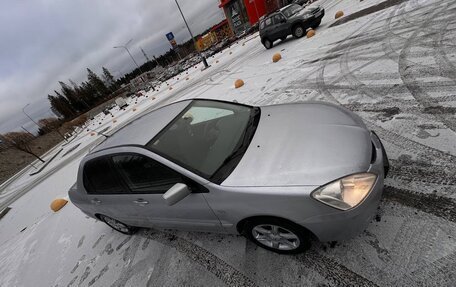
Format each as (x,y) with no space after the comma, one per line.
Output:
(20,141)
(48,124)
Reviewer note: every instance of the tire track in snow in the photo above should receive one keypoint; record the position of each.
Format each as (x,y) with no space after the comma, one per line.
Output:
(334,272)
(373,94)
(222,270)
(425,173)
(403,142)
(412,83)
(398,140)
(439,206)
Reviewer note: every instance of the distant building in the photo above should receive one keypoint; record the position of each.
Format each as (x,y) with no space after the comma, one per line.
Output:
(206,41)
(216,34)
(242,14)
(236,14)
(222,30)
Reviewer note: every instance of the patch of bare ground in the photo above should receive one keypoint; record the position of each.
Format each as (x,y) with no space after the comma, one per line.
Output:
(13,160)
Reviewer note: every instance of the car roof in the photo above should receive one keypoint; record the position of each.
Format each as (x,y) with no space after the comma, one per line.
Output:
(272,13)
(285,7)
(141,130)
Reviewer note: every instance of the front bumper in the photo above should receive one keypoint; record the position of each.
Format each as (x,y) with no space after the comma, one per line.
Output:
(341,225)
(386,164)
(319,14)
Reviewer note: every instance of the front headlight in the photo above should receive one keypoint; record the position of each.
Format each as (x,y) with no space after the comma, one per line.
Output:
(347,192)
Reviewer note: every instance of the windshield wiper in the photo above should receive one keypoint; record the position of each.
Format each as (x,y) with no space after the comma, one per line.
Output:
(242,145)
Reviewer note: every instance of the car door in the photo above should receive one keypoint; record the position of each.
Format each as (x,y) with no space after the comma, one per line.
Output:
(268,29)
(279,26)
(106,193)
(147,181)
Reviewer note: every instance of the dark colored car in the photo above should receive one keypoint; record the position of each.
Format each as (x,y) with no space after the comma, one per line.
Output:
(290,20)
(302,2)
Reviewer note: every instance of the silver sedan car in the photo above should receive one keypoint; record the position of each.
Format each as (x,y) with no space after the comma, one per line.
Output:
(280,174)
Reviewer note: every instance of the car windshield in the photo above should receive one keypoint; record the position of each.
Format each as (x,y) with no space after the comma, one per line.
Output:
(207,137)
(291,10)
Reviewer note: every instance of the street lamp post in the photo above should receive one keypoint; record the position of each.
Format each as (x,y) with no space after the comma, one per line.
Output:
(50,111)
(23,110)
(191,35)
(128,51)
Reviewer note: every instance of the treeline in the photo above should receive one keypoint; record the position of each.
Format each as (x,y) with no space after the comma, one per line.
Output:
(73,100)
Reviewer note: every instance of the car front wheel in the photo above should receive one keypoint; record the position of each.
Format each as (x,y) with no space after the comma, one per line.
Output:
(298,31)
(267,43)
(277,235)
(117,225)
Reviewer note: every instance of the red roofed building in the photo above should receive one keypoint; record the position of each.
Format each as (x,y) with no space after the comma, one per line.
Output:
(236,15)
(242,14)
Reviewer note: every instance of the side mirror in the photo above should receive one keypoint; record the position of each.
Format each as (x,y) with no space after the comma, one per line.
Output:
(176,193)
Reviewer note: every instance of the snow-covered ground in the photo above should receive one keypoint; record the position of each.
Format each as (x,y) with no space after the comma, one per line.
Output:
(395,68)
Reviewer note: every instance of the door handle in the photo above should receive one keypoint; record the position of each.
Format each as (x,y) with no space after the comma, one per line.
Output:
(96,201)
(140,201)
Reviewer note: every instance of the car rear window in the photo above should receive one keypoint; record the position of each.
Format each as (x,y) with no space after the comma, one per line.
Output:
(100,177)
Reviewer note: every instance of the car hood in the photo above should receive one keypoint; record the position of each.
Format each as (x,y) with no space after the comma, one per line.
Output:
(303,144)
(308,10)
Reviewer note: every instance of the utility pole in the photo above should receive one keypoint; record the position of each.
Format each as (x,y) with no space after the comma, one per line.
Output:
(193,39)
(50,111)
(28,132)
(145,55)
(23,110)
(156,61)
(128,51)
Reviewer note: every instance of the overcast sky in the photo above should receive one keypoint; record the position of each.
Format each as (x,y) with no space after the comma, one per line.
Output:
(46,41)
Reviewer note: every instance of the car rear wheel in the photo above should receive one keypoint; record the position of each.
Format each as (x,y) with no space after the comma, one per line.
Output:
(298,31)
(267,43)
(117,225)
(277,235)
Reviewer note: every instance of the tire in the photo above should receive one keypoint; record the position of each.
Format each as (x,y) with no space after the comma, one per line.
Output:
(117,225)
(267,44)
(298,31)
(279,236)
(316,24)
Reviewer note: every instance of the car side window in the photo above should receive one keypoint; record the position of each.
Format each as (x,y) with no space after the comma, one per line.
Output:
(99,177)
(278,19)
(145,175)
(268,22)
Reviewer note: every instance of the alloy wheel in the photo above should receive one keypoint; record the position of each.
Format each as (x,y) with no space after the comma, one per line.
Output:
(276,237)
(117,225)
(299,32)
